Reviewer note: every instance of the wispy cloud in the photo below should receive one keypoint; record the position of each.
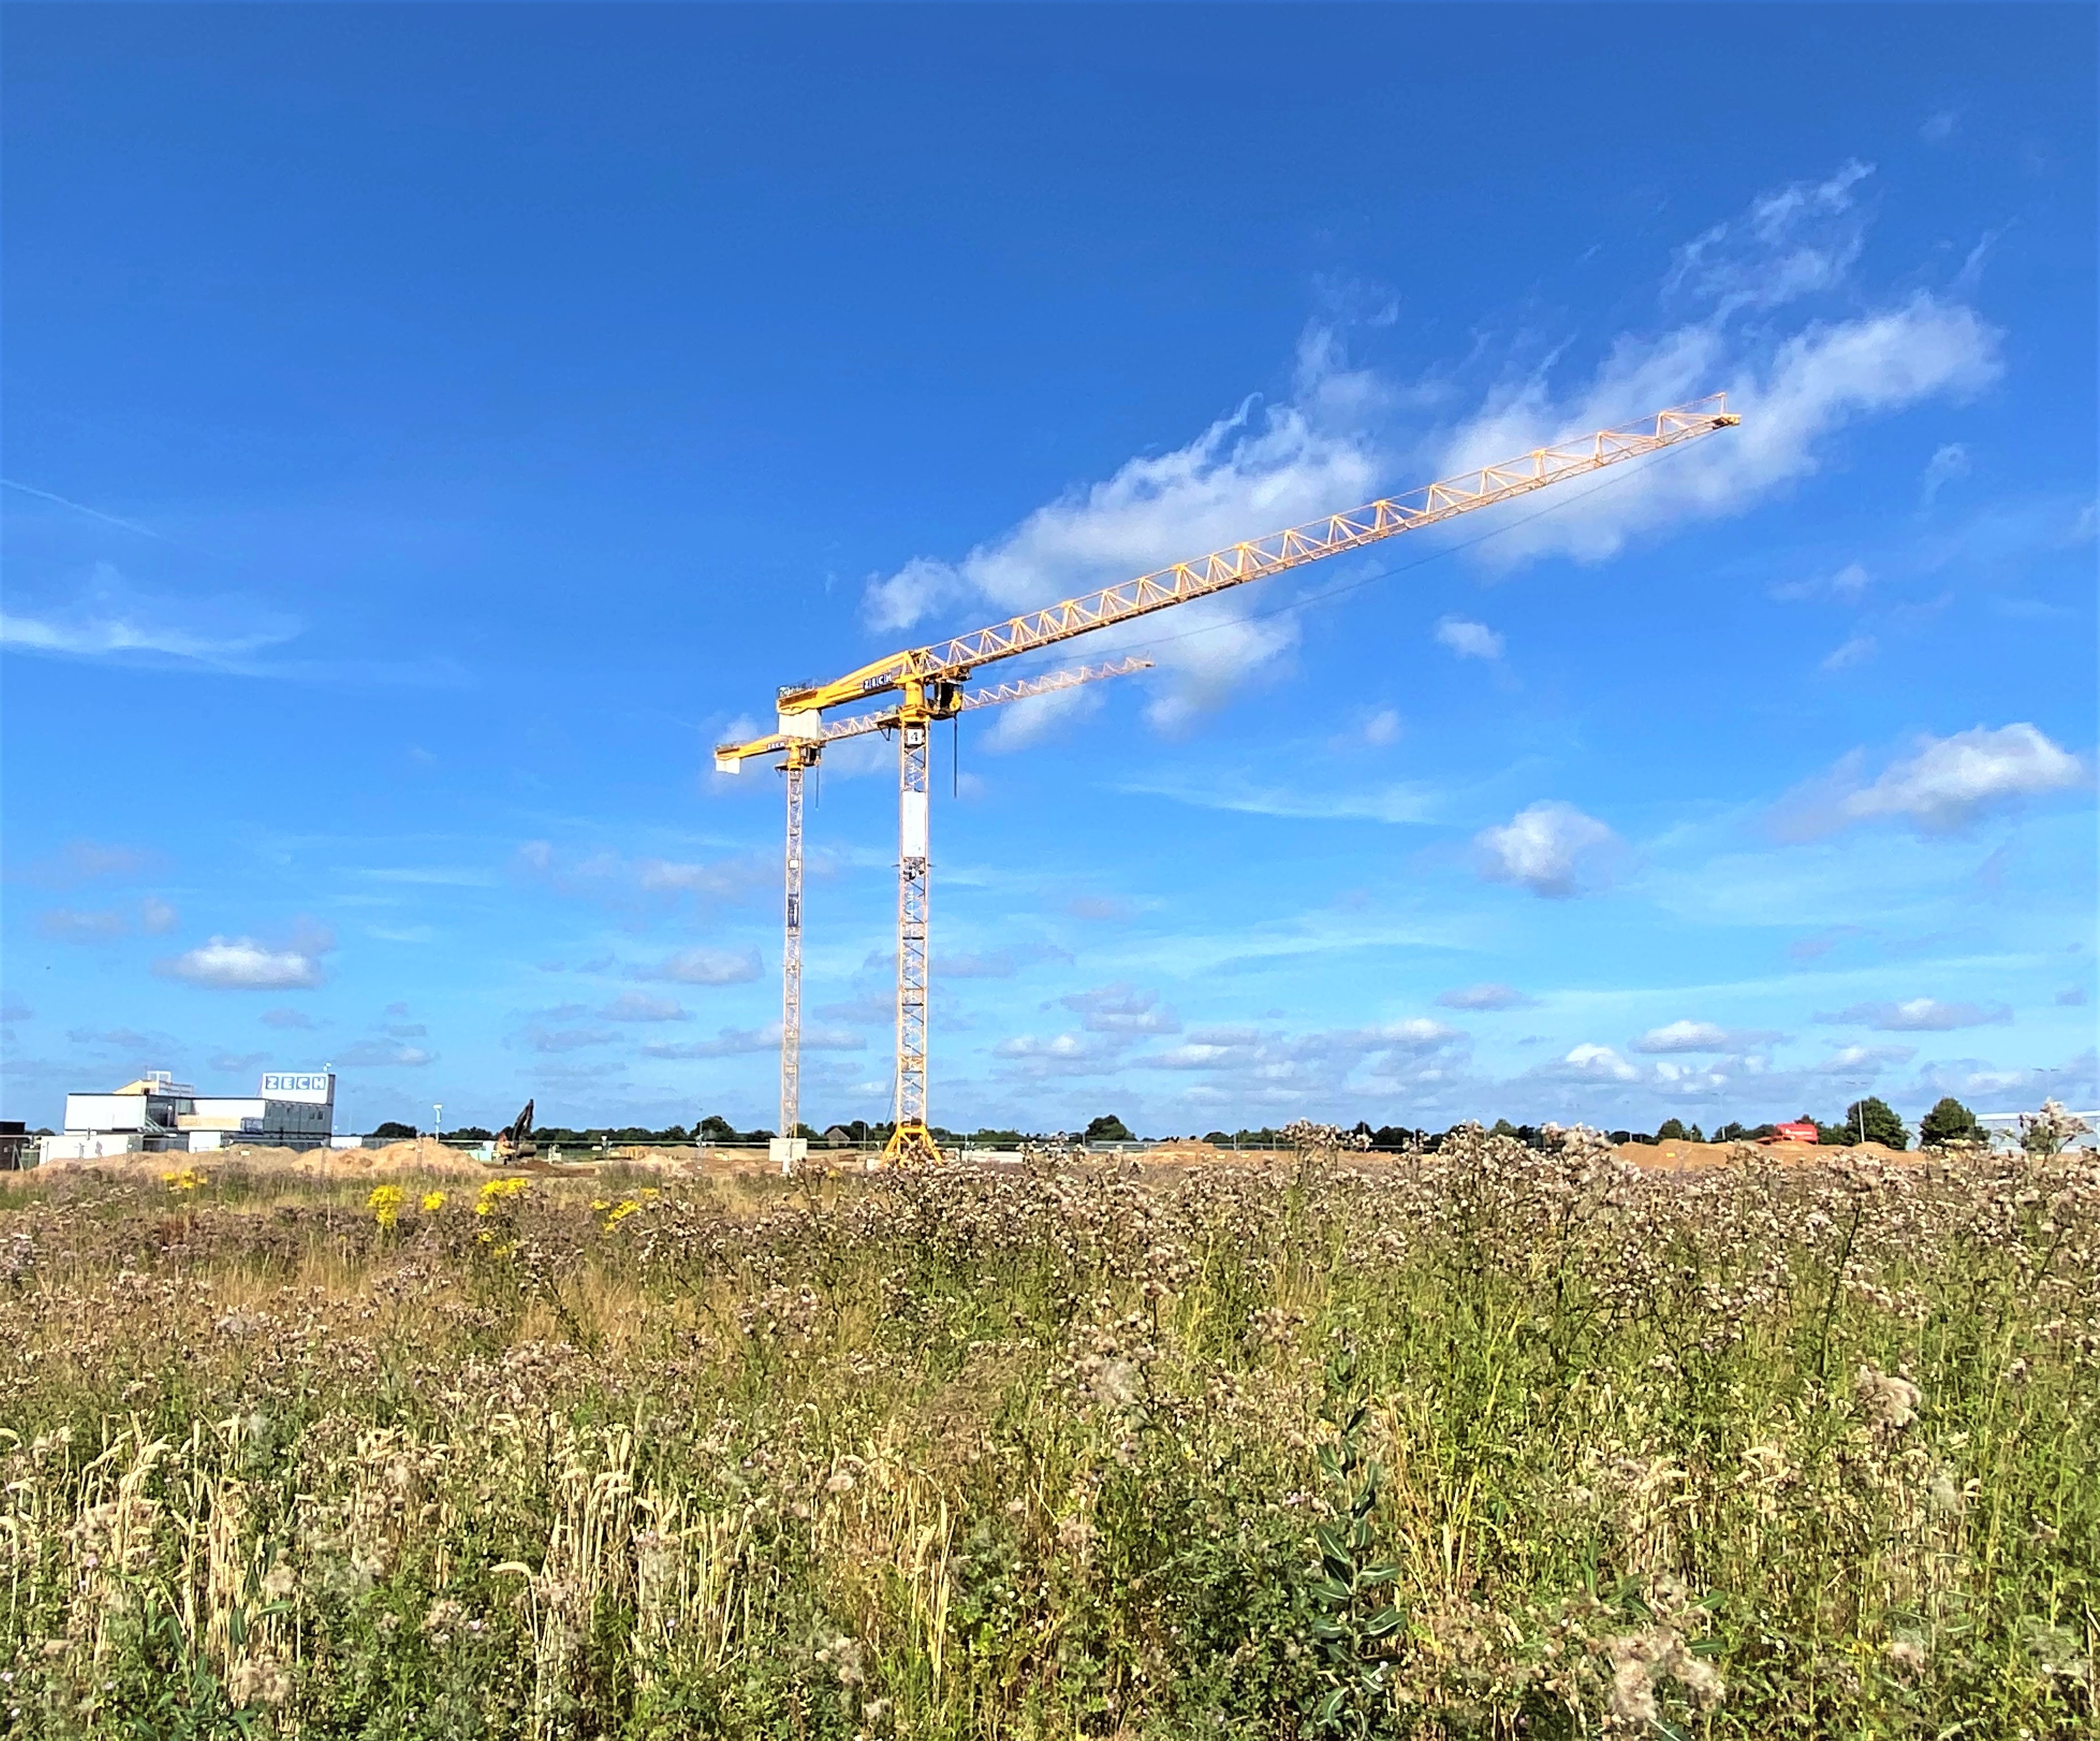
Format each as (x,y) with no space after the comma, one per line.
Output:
(1393,801)
(1855,651)
(634,1006)
(1948,463)
(1920,1016)
(706,967)
(111,618)
(1794,389)
(1486,997)
(737,1042)
(368,1054)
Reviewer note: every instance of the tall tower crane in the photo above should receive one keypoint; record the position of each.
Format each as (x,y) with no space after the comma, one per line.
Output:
(924,677)
(800,752)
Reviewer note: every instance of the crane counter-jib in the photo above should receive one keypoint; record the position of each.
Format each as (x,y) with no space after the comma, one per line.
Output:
(952,661)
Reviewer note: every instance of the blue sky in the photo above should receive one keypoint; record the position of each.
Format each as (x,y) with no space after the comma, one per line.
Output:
(428,431)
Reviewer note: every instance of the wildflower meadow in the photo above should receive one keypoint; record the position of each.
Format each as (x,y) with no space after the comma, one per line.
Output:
(1495,1441)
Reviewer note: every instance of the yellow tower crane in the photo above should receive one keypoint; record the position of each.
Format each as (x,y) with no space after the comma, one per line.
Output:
(800,752)
(922,676)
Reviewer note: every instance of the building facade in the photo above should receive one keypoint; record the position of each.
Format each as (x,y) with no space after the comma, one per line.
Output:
(293,1109)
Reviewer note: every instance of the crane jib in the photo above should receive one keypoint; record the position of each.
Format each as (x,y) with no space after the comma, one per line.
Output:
(1235,565)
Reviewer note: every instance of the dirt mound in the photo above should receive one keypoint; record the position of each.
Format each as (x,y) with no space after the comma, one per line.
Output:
(1688,1157)
(422,1158)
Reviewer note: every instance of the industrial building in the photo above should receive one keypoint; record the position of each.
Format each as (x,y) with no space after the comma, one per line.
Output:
(292,1109)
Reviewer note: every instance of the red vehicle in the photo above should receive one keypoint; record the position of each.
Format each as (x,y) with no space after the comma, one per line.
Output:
(1801,1130)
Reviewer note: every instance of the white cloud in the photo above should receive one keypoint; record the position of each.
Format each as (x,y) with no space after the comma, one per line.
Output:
(1855,651)
(1256,471)
(156,917)
(1941,786)
(1484,997)
(1947,464)
(1939,126)
(1792,389)
(1686,1036)
(1552,848)
(243,964)
(1600,1061)
(707,966)
(1795,379)
(287,1019)
(1921,1015)
(1468,640)
(1383,727)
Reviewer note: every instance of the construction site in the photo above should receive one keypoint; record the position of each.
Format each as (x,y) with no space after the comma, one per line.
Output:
(929,683)
(1409,692)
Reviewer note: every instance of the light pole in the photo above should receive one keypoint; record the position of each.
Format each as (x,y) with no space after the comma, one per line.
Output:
(438,1119)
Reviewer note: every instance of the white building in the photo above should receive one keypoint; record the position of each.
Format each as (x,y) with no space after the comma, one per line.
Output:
(294,1109)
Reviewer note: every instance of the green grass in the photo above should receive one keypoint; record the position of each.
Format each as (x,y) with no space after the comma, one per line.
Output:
(1494,1444)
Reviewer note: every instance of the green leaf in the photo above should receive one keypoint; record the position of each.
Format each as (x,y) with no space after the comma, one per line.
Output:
(1331,1591)
(1329,1707)
(1383,1624)
(1380,1574)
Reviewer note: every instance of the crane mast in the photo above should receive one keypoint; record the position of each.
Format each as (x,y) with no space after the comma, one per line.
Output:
(801,752)
(928,677)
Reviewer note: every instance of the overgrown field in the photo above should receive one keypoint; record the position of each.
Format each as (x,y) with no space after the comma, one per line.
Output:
(1494,1444)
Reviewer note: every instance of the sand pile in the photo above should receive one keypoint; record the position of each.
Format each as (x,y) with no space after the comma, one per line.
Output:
(426,1158)
(1684,1157)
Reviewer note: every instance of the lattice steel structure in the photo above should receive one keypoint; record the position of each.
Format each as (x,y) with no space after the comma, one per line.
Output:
(930,676)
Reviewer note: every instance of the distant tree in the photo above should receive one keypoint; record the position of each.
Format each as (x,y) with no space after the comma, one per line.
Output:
(1392,1136)
(1873,1120)
(1502,1127)
(1108,1129)
(1222,1139)
(470,1133)
(673,1134)
(714,1128)
(1949,1124)
(1835,1136)
(393,1132)
(1671,1131)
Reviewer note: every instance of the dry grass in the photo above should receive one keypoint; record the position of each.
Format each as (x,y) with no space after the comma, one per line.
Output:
(1490,1444)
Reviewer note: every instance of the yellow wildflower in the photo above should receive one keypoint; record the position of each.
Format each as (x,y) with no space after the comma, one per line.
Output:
(495,1190)
(621,1213)
(433,1201)
(385,1204)
(189,1178)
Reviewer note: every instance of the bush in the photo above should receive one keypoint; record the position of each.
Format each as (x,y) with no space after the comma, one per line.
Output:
(1872,1120)
(1949,1124)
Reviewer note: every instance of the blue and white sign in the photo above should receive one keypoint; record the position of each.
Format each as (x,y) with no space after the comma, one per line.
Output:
(316,1087)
